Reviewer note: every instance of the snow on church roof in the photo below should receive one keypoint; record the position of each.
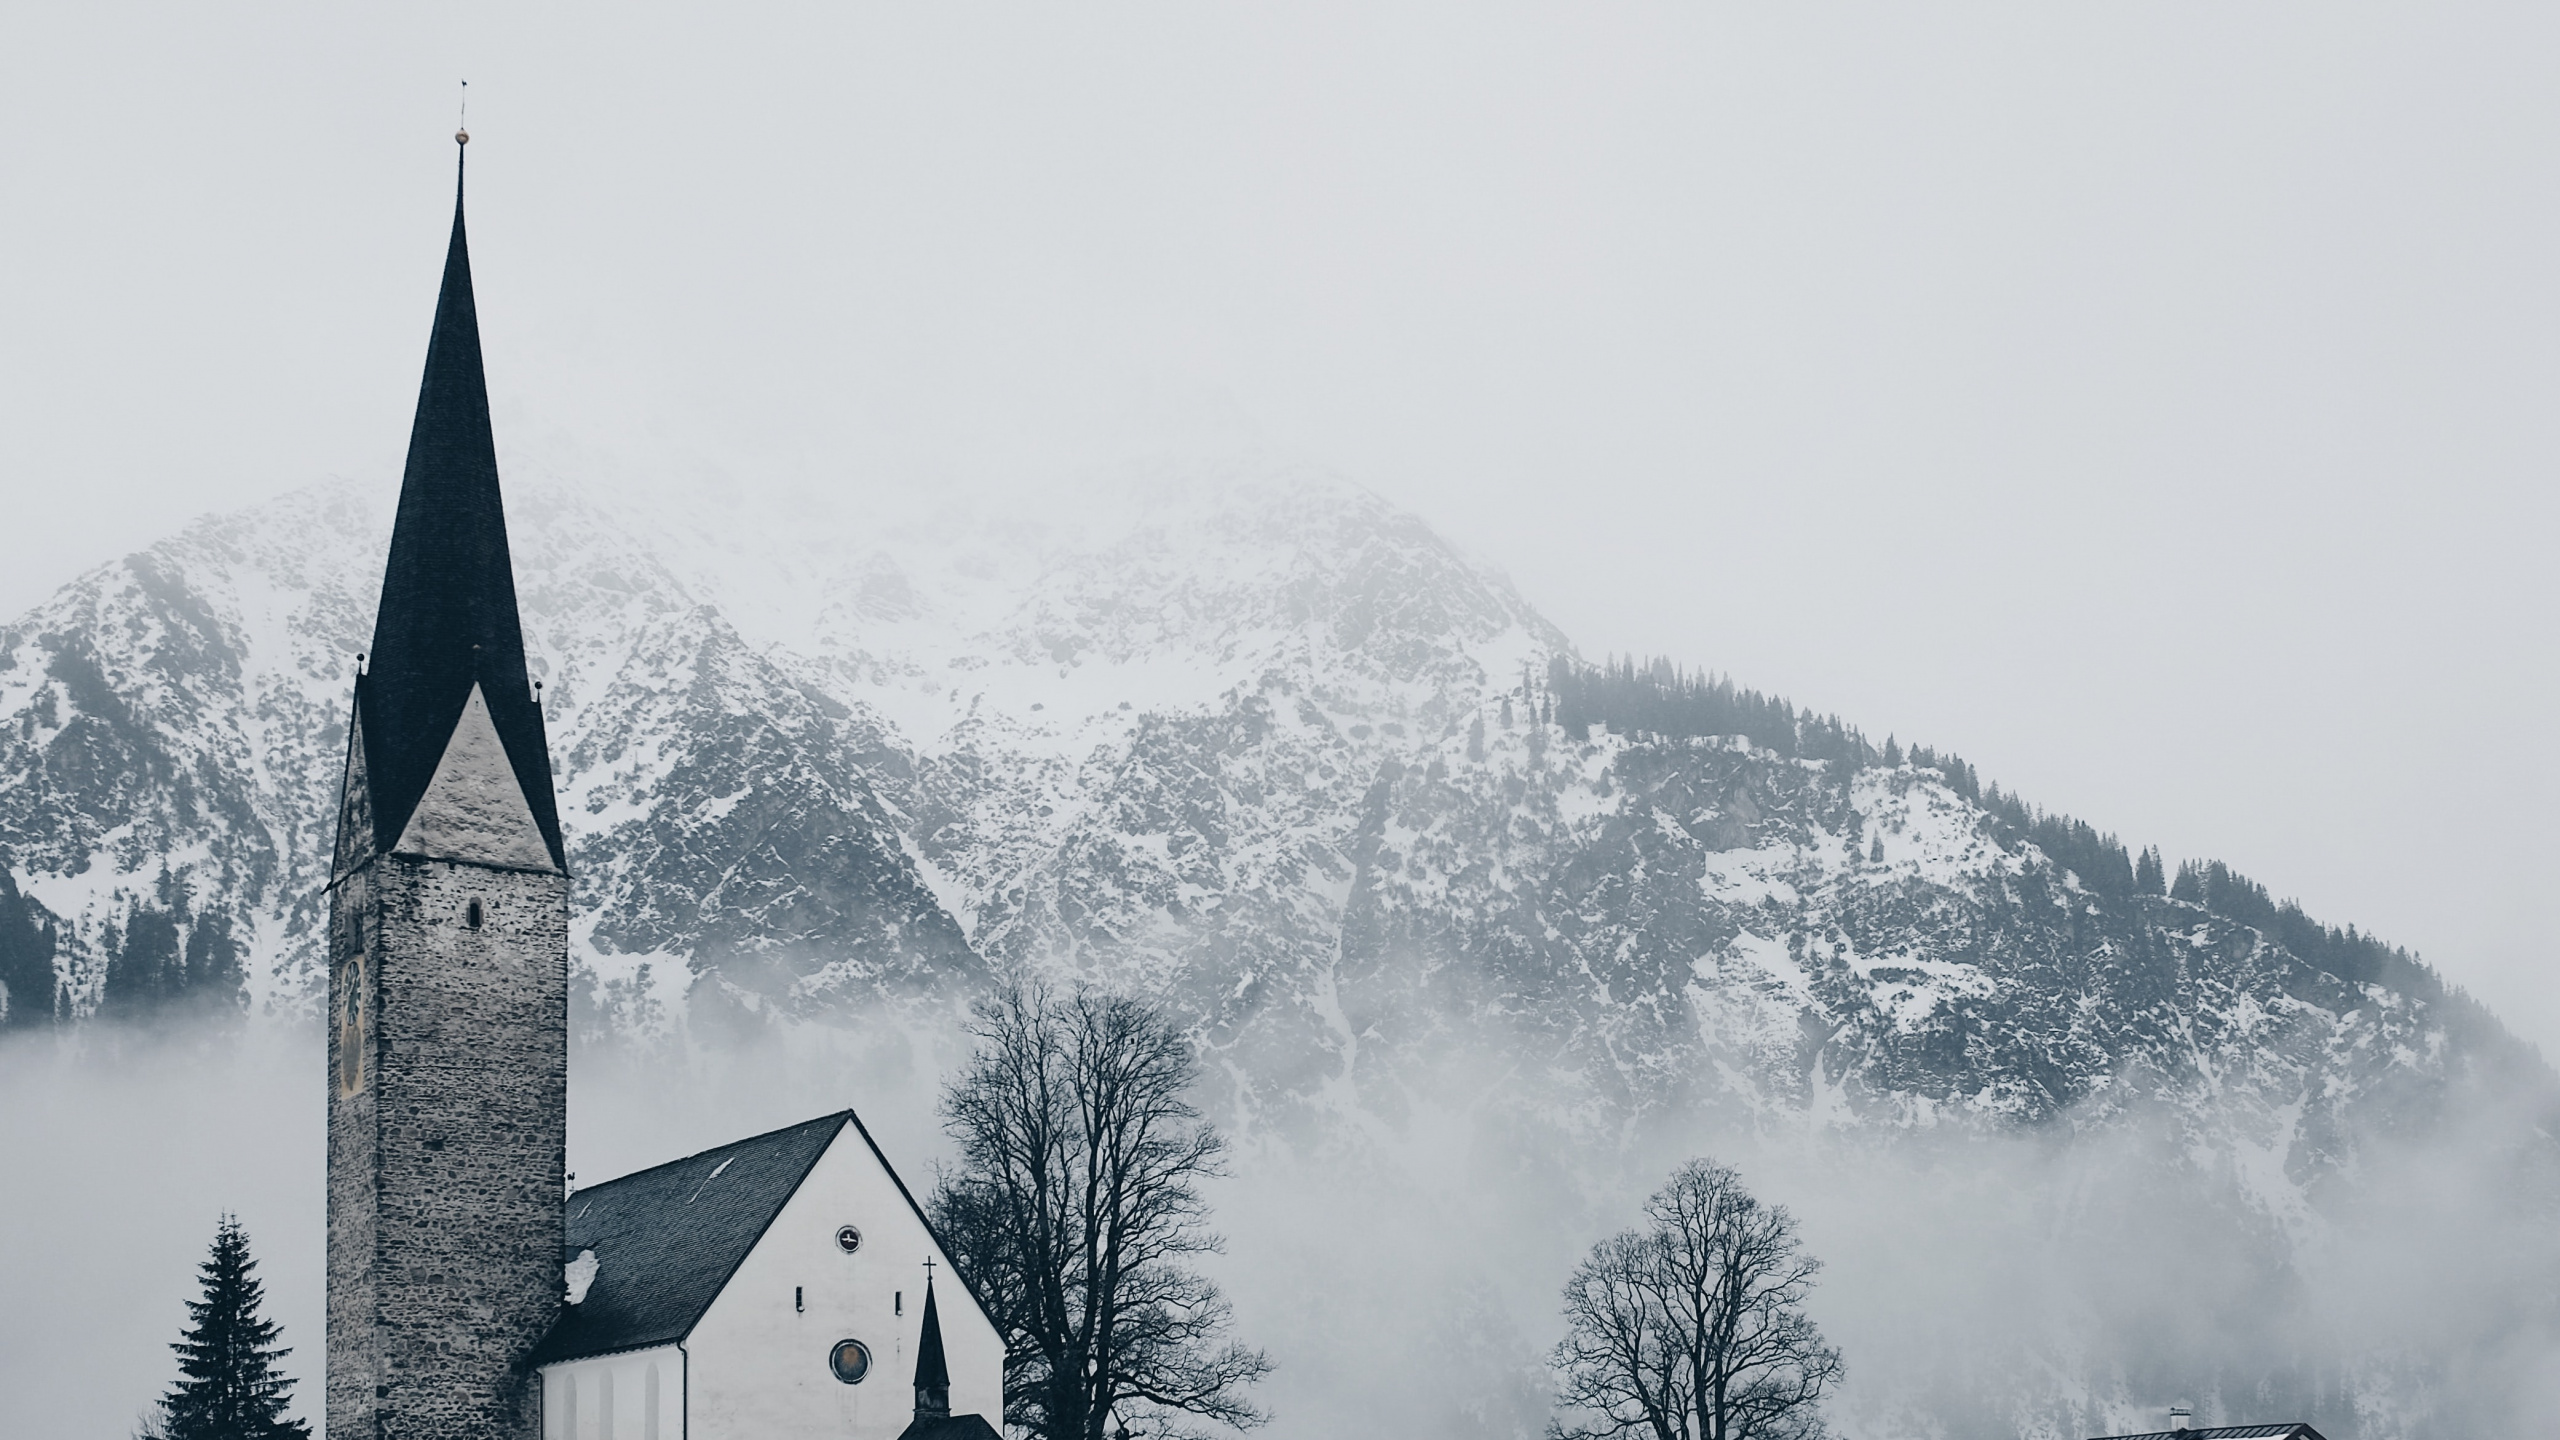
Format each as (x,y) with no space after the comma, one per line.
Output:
(667,1239)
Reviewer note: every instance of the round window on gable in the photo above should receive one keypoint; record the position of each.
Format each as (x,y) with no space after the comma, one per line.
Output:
(851,1360)
(848,1239)
(471,915)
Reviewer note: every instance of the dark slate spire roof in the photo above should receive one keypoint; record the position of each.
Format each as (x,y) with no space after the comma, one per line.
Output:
(933,1373)
(448,615)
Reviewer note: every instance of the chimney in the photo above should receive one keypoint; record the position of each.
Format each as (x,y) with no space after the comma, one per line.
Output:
(2181,1418)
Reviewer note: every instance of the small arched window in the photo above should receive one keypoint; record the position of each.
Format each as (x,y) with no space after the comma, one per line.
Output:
(471,915)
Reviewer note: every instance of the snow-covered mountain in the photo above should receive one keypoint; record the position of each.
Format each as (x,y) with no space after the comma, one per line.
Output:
(1249,740)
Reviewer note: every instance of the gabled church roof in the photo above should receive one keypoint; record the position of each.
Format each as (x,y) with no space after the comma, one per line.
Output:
(668,1238)
(448,614)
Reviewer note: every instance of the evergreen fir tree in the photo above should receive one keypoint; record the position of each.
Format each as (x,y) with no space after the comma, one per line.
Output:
(1475,738)
(215,975)
(173,892)
(27,984)
(2190,886)
(230,1387)
(2148,877)
(146,968)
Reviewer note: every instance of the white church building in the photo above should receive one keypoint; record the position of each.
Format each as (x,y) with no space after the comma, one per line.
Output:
(781,1285)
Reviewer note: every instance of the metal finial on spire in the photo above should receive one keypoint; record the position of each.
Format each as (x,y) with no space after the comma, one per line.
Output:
(462,122)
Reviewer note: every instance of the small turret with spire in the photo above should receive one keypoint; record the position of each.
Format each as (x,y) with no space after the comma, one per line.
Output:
(933,1372)
(934,1420)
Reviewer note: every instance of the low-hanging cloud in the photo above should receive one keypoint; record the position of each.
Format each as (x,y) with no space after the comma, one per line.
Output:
(2054,1283)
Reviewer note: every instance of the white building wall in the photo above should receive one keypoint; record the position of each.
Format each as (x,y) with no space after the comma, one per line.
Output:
(758,1366)
(638,1395)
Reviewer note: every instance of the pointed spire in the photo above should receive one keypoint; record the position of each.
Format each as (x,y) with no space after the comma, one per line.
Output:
(933,1373)
(448,616)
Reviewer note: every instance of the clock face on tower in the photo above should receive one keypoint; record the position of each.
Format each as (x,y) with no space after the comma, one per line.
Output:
(350,1019)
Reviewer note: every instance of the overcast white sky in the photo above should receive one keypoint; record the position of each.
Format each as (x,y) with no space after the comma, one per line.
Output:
(2152,402)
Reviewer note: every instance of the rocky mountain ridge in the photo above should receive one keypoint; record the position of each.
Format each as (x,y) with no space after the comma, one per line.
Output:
(1255,744)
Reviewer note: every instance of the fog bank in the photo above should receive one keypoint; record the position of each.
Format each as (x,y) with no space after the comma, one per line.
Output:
(2052,1284)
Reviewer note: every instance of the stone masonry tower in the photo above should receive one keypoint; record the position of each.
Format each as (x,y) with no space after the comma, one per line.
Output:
(448,954)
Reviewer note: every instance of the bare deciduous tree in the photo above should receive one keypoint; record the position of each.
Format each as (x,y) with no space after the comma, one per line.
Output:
(1693,1326)
(1074,1206)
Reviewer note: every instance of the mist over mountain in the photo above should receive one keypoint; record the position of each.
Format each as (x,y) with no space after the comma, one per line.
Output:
(1478,937)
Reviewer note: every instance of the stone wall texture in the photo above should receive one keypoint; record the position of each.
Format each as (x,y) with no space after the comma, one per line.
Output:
(448,1128)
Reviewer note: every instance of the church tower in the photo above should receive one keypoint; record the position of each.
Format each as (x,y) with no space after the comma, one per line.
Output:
(448,953)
